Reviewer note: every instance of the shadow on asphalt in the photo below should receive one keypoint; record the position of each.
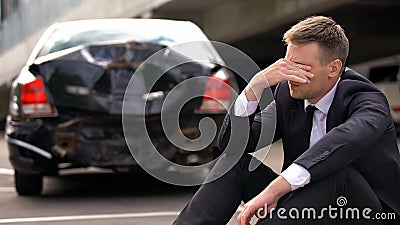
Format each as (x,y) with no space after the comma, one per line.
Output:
(109,185)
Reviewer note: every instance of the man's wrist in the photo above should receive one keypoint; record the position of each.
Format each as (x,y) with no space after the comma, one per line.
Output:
(296,175)
(279,187)
(256,87)
(242,107)
(253,92)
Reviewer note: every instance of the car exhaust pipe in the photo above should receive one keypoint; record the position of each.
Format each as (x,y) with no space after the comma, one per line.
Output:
(59,151)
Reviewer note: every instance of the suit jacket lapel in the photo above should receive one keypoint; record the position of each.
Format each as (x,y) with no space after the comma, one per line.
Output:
(335,113)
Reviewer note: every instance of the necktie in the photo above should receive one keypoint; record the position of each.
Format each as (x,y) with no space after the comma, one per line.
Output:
(309,122)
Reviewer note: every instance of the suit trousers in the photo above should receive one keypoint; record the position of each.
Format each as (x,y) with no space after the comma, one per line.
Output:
(337,199)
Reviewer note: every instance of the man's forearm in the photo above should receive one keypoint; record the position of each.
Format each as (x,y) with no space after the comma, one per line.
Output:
(253,93)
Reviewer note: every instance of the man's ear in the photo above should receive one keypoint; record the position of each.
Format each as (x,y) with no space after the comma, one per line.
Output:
(335,68)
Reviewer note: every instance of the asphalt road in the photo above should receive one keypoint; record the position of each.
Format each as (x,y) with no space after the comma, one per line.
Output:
(92,197)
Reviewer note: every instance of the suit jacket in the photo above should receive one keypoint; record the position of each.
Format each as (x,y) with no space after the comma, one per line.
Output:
(360,133)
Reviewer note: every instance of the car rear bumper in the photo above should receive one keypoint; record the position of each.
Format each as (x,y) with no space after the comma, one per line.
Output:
(89,142)
(42,145)
(28,161)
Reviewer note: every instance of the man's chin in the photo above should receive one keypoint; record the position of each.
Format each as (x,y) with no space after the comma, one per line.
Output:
(296,95)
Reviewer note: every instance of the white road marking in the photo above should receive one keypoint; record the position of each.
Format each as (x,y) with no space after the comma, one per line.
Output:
(6,171)
(87,217)
(7,189)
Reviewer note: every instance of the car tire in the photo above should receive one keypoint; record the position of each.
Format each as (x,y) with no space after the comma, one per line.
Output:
(28,184)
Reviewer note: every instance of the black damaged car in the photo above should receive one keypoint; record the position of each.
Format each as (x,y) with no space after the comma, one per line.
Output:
(66,104)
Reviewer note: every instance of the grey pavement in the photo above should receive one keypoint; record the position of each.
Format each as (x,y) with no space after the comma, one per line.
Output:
(92,197)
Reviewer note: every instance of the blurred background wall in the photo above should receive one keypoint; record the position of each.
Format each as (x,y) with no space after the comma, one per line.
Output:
(254,26)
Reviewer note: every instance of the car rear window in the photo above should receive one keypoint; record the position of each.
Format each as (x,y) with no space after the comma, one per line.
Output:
(64,39)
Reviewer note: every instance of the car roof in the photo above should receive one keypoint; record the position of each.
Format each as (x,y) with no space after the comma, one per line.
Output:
(149,29)
(160,31)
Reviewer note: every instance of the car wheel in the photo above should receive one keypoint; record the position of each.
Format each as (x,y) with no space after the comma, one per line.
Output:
(28,184)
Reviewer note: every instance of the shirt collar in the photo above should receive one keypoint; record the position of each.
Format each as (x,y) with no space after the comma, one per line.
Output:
(325,102)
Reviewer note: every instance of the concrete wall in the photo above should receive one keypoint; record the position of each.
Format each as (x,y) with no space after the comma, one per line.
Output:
(14,58)
(243,19)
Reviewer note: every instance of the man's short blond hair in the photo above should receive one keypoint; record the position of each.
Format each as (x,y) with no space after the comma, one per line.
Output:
(326,32)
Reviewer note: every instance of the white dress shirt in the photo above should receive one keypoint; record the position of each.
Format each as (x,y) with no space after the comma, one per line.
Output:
(296,175)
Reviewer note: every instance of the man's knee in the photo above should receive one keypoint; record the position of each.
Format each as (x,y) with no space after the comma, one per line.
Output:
(347,188)
(228,165)
(342,177)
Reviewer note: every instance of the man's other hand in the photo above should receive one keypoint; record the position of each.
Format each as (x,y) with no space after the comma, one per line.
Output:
(266,200)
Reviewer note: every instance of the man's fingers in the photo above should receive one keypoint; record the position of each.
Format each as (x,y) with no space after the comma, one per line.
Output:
(297,79)
(297,72)
(302,67)
(298,65)
(304,73)
(244,217)
(301,70)
(306,76)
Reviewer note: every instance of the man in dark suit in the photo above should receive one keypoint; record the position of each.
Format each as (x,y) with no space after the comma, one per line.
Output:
(339,142)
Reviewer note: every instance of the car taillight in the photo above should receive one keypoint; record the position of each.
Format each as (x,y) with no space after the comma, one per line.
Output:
(396,108)
(34,100)
(217,95)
